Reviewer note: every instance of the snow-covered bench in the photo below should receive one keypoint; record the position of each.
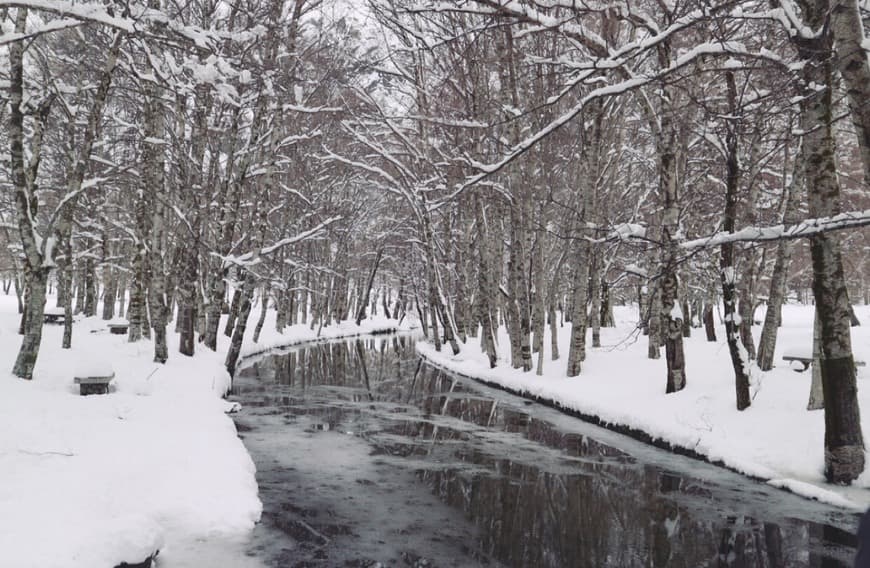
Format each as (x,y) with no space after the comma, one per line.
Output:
(807,359)
(54,315)
(93,377)
(118,328)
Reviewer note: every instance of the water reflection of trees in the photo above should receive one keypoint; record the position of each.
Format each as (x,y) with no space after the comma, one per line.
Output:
(598,508)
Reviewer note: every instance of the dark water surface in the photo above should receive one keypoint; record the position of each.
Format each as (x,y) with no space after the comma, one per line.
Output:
(368,457)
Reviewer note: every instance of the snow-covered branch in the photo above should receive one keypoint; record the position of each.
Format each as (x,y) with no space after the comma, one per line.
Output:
(804,229)
(252,258)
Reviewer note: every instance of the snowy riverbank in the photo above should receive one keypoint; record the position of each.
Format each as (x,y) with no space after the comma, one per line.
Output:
(93,481)
(776,439)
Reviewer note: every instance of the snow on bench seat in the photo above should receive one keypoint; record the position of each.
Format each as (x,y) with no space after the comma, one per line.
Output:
(54,315)
(806,358)
(93,376)
(119,327)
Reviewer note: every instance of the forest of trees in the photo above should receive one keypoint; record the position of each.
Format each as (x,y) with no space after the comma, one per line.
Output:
(471,162)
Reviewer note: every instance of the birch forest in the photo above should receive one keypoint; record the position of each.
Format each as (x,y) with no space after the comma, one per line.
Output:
(470,164)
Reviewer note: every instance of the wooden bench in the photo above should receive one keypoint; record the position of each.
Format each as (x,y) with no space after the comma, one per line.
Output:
(807,361)
(118,328)
(54,315)
(94,385)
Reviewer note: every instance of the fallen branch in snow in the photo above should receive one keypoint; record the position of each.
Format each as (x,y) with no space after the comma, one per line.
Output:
(30,453)
(315,532)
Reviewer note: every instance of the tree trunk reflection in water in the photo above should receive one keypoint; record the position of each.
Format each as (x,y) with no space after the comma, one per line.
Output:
(540,491)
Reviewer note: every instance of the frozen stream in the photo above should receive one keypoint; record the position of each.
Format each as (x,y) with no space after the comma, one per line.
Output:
(366,455)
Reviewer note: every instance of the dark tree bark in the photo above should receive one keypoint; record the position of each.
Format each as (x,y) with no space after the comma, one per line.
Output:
(39,258)
(577,345)
(844,442)
(853,64)
(484,287)
(709,322)
(264,306)
(230,200)
(234,311)
(153,163)
(361,314)
(643,308)
(245,294)
(739,356)
(671,314)
(606,305)
(110,293)
(779,279)
(595,293)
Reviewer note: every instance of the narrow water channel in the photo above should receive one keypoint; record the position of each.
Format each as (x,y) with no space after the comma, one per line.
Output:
(368,457)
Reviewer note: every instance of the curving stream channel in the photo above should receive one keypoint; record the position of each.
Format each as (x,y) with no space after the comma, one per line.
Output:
(366,456)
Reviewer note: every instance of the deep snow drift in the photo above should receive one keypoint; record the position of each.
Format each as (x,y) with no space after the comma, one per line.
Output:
(155,464)
(776,439)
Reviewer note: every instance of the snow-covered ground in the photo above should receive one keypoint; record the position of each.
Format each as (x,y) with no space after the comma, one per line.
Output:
(776,439)
(93,481)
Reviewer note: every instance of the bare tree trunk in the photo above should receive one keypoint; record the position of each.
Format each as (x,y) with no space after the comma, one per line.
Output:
(201,300)
(687,317)
(385,304)
(554,333)
(595,293)
(230,200)
(90,285)
(122,295)
(110,292)
(136,313)
(19,291)
(606,305)
(306,301)
(153,182)
(187,296)
(852,62)
(281,302)
(577,347)
(264,306)
(538,299)
(817,393)
(746,304)
(22,321)
(66,276)
(422,316)
(518,316)
(296,311)
(844,442)
(80,290)
(38,255)
(25,205)
(654,322)
(26,360)
(449,325)
(739,357)
(361,314)
(235,349)
(671,314)
(484,287)
(436,303)
(643,310)
(192,177)
(779,279)
(136,310)
(234,311)
(709,324)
